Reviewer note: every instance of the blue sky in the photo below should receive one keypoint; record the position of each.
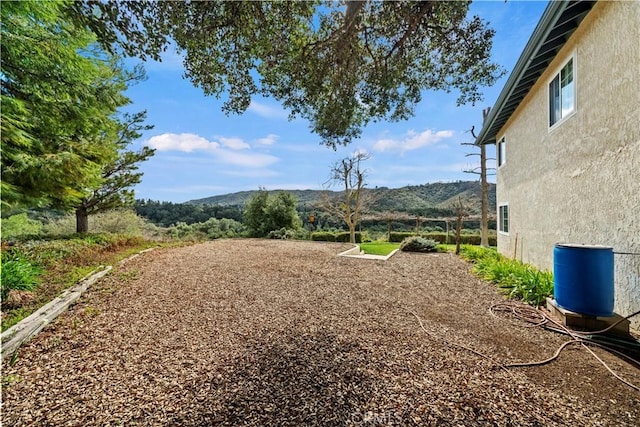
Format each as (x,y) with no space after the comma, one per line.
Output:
(202,152)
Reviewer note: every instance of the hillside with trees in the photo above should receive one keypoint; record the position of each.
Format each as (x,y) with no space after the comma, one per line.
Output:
(426,200)
(430,207)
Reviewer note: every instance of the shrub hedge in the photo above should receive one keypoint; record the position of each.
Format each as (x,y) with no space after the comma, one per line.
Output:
(328,236)
(323,236)
(465,239)
(345,237)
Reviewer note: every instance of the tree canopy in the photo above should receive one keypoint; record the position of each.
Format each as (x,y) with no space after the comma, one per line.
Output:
(263,213)
(338,64)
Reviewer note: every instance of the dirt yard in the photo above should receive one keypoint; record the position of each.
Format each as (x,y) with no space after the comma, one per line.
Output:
(265,333)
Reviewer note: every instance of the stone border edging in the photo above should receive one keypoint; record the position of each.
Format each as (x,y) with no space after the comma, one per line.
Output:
(28,327)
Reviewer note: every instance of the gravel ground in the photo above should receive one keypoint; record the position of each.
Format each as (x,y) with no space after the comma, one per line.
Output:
(254,332)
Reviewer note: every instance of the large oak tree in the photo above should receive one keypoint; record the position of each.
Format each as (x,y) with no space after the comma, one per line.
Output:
(338,64)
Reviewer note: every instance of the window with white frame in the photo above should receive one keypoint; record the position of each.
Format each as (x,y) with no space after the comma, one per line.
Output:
(501,153)
(562,95)
(503,218)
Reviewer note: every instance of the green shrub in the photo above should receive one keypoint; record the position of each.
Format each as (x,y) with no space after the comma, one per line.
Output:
(20,225)
(476,253)
(282,234)
(17,273)
(218,228)
(365,237)
(517,280)
(399,236)
(120,221)
(345,237)
(62,226)
(418,244)
(184,231)
(323,236)
(117,221)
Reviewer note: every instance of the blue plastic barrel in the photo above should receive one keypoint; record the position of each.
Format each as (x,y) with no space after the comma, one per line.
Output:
(583,278)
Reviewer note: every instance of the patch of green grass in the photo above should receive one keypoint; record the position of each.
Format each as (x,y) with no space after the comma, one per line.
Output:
(379,248)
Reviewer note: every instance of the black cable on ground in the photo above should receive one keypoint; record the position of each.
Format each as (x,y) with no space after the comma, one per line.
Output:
(537,317)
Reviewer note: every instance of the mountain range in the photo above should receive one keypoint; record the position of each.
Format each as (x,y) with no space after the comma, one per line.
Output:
(434,199)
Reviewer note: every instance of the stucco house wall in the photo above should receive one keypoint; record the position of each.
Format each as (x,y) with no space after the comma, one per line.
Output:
(579,182)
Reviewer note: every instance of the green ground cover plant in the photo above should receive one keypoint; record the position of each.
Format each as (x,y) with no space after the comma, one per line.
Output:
(17,273)
(513,278)
(46,267)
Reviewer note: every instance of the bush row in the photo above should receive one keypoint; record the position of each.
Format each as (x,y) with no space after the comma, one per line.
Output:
(327,236)
(465,239)
(514,278)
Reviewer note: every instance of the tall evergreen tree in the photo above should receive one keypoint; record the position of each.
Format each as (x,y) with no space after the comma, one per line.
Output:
(119,175)
(59,95)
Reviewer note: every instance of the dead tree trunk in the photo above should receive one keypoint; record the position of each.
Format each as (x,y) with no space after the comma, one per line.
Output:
(484,201)
(484,185)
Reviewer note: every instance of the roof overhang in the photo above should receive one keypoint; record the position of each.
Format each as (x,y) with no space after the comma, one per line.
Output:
(559,20)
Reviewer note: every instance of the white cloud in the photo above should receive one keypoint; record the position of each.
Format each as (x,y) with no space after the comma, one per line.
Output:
(412,140)
(233,143)
(267,140)
(268,111)
(189,142)
(185,142)
(246,160)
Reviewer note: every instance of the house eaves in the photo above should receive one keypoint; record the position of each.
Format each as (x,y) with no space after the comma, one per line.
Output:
(559,20)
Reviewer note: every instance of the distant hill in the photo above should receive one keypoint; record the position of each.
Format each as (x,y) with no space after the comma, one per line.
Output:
(426,200)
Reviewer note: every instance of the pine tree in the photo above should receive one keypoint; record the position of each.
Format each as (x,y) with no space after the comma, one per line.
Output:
(59,95)
(119,175)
